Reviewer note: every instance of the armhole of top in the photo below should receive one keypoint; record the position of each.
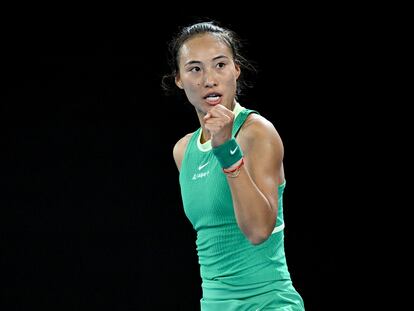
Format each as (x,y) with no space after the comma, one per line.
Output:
(187,147)
(243,117)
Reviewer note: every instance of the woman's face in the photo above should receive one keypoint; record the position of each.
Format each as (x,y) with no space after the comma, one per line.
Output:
(207,72)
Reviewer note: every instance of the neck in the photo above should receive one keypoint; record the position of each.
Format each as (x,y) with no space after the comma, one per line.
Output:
(205,135)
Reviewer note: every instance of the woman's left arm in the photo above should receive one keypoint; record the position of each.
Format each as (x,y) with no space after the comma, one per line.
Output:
(255,190)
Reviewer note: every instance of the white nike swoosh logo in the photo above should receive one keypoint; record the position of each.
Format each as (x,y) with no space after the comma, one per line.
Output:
(233,151)
(200,167)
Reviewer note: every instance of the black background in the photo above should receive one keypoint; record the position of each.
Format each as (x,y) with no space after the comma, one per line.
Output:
(93,217)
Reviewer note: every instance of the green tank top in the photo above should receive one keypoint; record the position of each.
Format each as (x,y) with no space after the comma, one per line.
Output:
(226,256)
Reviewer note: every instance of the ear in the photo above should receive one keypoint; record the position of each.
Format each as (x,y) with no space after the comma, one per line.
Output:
(178,82)
(237,71)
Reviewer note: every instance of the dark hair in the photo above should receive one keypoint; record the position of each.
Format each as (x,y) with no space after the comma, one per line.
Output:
(228,36)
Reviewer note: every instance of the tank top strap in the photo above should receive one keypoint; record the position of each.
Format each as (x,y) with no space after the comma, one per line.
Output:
(242,116)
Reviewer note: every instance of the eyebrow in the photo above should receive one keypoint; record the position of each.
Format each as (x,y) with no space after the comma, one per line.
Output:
(191,62)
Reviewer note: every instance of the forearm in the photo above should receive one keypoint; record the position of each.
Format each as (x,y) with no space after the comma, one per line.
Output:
(255,214)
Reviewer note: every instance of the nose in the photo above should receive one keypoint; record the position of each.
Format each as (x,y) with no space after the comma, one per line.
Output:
(210,79)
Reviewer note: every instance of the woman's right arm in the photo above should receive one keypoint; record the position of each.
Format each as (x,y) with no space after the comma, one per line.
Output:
(179,150)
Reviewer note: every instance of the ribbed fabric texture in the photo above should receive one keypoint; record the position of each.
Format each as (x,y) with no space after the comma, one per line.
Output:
(229,263)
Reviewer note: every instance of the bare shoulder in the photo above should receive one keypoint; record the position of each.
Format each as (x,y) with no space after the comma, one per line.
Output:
(262,148)
(257,128)
(179,149)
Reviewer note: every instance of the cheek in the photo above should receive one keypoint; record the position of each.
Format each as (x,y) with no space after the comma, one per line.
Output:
(191,90)
(192,86)
(232,83)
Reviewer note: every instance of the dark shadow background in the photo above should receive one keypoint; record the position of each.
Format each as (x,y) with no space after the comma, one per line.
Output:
(92,214)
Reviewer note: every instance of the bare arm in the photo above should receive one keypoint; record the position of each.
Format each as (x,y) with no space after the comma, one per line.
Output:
(254,191)
(179,149)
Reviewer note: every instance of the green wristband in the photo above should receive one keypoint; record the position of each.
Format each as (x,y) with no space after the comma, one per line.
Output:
(228,153)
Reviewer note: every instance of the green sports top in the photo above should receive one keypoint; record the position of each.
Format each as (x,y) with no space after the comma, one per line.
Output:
(228,260)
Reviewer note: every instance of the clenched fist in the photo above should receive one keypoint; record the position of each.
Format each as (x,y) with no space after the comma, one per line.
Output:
(219,122)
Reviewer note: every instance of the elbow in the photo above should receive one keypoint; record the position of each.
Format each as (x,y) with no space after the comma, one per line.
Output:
(259,233)
(257,241)
(258,238)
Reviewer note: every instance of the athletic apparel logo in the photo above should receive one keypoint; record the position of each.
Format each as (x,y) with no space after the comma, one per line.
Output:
(200,175)
(233,151)
(200,167)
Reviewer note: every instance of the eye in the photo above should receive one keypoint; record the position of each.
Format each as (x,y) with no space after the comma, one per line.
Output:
(221,65)
(195,69)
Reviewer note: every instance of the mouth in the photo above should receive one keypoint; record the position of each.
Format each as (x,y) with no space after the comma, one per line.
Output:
(213,98)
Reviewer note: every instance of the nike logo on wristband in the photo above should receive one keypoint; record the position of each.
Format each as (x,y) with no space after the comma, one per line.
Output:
(233,151)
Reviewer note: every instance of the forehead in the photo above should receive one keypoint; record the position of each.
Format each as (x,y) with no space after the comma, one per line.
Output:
(204,47)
